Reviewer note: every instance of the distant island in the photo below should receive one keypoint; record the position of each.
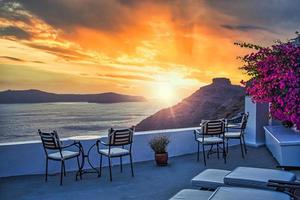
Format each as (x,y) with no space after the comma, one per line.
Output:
(37,96)
(218,100)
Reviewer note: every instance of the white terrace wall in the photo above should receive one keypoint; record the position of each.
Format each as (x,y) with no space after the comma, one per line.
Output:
(23,158)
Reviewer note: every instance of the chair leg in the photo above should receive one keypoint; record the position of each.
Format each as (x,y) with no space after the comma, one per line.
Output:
(61,172)
(198,152)
(210,150)
(121,167)
(242,148)
(65,174)
(224,152)
(100,168)
(79,171)
(218,151)
(46,176)
(227,144)
(203,151)
(109,162)
(245,147)
(131,165)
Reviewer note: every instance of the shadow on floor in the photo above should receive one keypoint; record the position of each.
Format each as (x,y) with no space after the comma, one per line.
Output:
(150,181)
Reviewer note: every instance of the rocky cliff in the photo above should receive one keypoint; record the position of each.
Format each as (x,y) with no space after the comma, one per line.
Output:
(217,100)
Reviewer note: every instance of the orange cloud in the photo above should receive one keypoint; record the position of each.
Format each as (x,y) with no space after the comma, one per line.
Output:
(110,45)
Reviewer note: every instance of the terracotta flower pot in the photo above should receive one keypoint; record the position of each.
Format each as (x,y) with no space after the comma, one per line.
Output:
(161,159)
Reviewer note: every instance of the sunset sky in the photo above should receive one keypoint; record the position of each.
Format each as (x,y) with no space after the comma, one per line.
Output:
(149,48)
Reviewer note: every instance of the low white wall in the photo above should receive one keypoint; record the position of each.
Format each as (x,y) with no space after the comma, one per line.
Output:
(22,158)
(284,144)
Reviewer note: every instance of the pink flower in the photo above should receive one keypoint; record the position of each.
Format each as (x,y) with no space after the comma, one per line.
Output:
(275,78)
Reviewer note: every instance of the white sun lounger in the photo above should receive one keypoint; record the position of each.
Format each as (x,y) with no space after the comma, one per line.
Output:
(231,193)
(240,177)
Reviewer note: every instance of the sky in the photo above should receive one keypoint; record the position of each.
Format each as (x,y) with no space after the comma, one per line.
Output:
(156,49)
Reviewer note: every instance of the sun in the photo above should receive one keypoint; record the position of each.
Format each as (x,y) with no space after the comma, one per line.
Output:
(166,93)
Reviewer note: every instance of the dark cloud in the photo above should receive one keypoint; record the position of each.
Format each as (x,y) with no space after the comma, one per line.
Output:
(15,32)
(130,77)
(68,54)
(39,62)
(20,60)
(12,58)
(283,14)
(12,10)
(106,15)
(244,28)
(115,15)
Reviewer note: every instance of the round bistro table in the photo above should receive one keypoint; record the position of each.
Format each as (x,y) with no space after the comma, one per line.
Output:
(85,156)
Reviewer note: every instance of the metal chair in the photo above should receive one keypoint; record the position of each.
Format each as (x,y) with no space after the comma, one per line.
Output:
(212,134)
(236,120)
(238,134)
(54,150)
(117,141)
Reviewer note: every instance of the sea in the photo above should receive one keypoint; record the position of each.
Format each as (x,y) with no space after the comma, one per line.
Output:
(20,122)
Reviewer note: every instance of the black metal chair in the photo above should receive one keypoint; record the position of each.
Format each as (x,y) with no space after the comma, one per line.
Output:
(54,150)
(236,120)
(117,141)
(212,133)
(241,127)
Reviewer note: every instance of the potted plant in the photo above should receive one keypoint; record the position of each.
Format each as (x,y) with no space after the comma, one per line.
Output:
(159,145)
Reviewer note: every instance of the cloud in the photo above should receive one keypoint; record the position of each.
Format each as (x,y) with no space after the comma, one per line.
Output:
(20,60)
(106,15)
(13,11)
(39,62)
(244,28)
(127,77)
(13,31)
(64,52)
(12,58)
(279,14)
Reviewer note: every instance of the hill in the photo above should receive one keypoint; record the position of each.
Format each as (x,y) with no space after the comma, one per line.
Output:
(37,96)
(217,100)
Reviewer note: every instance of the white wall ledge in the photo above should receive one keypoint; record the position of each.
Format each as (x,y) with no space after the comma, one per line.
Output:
(25,158)
(136,133)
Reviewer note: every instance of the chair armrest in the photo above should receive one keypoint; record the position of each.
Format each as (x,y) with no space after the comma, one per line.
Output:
(286,167)
(279,186)
(101,142)
(77,144)
(197,132)
(233,125)
(285,182)
(283,185)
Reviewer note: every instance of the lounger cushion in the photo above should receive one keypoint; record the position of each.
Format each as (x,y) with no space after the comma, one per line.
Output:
(114,151)
(210,178)
(66,154)
(189,194)
(256,177)
(210,140)
(238,193)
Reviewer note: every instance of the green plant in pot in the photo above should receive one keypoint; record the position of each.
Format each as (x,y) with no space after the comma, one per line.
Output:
(159,145)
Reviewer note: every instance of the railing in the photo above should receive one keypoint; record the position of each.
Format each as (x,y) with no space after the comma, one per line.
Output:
(24,158)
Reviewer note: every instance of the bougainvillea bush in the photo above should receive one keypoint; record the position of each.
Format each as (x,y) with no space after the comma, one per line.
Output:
(275,78)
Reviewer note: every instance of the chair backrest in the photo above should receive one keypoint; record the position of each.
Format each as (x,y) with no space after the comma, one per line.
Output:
(213,127)
(120,137)
(244,121)
(50,140)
